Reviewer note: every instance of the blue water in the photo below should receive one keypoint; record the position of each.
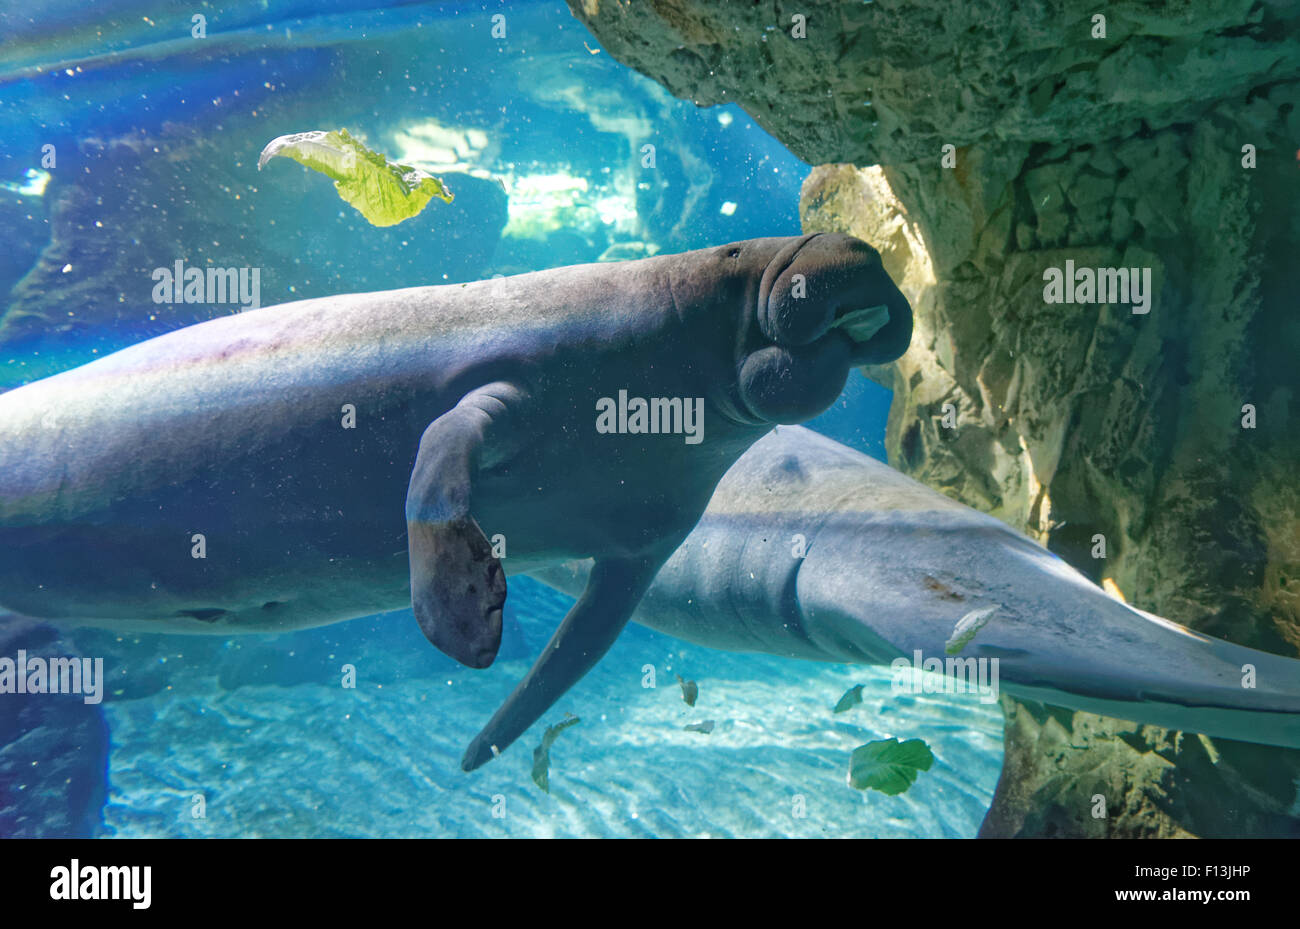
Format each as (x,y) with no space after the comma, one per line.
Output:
(156,136)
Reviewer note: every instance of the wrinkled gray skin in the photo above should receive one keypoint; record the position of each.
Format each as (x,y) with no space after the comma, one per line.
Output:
(475,411)
(892,566)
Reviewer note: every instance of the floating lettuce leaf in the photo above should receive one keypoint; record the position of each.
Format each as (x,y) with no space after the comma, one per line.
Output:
(690,691)
(889,766)
(383,191)
(542,753)
(852,697)
(706,727)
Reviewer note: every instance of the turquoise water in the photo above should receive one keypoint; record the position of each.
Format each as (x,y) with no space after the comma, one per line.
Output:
(156,136)
(310,758)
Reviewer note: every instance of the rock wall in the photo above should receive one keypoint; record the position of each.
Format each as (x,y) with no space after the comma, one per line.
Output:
(1014,140)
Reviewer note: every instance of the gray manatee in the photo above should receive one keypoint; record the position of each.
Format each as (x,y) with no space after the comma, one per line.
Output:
(890,567)
(207,480)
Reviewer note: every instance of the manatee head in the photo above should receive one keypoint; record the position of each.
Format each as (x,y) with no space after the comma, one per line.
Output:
(808,309)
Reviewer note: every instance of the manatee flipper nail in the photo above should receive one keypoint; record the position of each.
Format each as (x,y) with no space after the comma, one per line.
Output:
(613,591)
(458,588)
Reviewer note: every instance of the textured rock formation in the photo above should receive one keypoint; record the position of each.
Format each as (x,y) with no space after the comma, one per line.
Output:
(1013,140)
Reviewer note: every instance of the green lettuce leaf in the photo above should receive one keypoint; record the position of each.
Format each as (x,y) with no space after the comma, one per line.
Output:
(889,766)
(383,191)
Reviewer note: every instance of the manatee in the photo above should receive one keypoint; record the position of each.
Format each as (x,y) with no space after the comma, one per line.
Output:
(338,457)
(890,567)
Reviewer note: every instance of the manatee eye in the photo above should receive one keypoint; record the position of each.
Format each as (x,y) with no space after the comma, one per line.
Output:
(734,253)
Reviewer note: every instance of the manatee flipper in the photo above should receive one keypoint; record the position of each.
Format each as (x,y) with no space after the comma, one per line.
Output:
(457,588)
(613,591)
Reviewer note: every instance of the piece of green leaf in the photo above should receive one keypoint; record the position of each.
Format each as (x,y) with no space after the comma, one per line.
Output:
(852,697)
(966,628)
(542,753)
(384,192)
(861,325)
(890,765)
(690,691)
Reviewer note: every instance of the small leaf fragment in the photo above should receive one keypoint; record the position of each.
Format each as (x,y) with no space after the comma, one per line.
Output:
(852,697)
(542,753)
(966,628)
(690,691)
(706,727)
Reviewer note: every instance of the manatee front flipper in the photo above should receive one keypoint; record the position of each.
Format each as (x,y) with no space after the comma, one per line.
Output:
(457,588)
(613,591)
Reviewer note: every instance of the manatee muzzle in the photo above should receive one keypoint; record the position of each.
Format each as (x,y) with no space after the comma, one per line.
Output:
(828,281)
(792,384)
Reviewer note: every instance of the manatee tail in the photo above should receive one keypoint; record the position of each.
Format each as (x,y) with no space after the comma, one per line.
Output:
(1062,640)
(1157,672)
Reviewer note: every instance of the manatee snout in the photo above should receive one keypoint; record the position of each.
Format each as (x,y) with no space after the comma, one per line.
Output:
(792,385)
(827,304)
(831,281)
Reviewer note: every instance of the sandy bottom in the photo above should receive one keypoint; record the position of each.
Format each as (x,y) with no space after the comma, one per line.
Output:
(382,759)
